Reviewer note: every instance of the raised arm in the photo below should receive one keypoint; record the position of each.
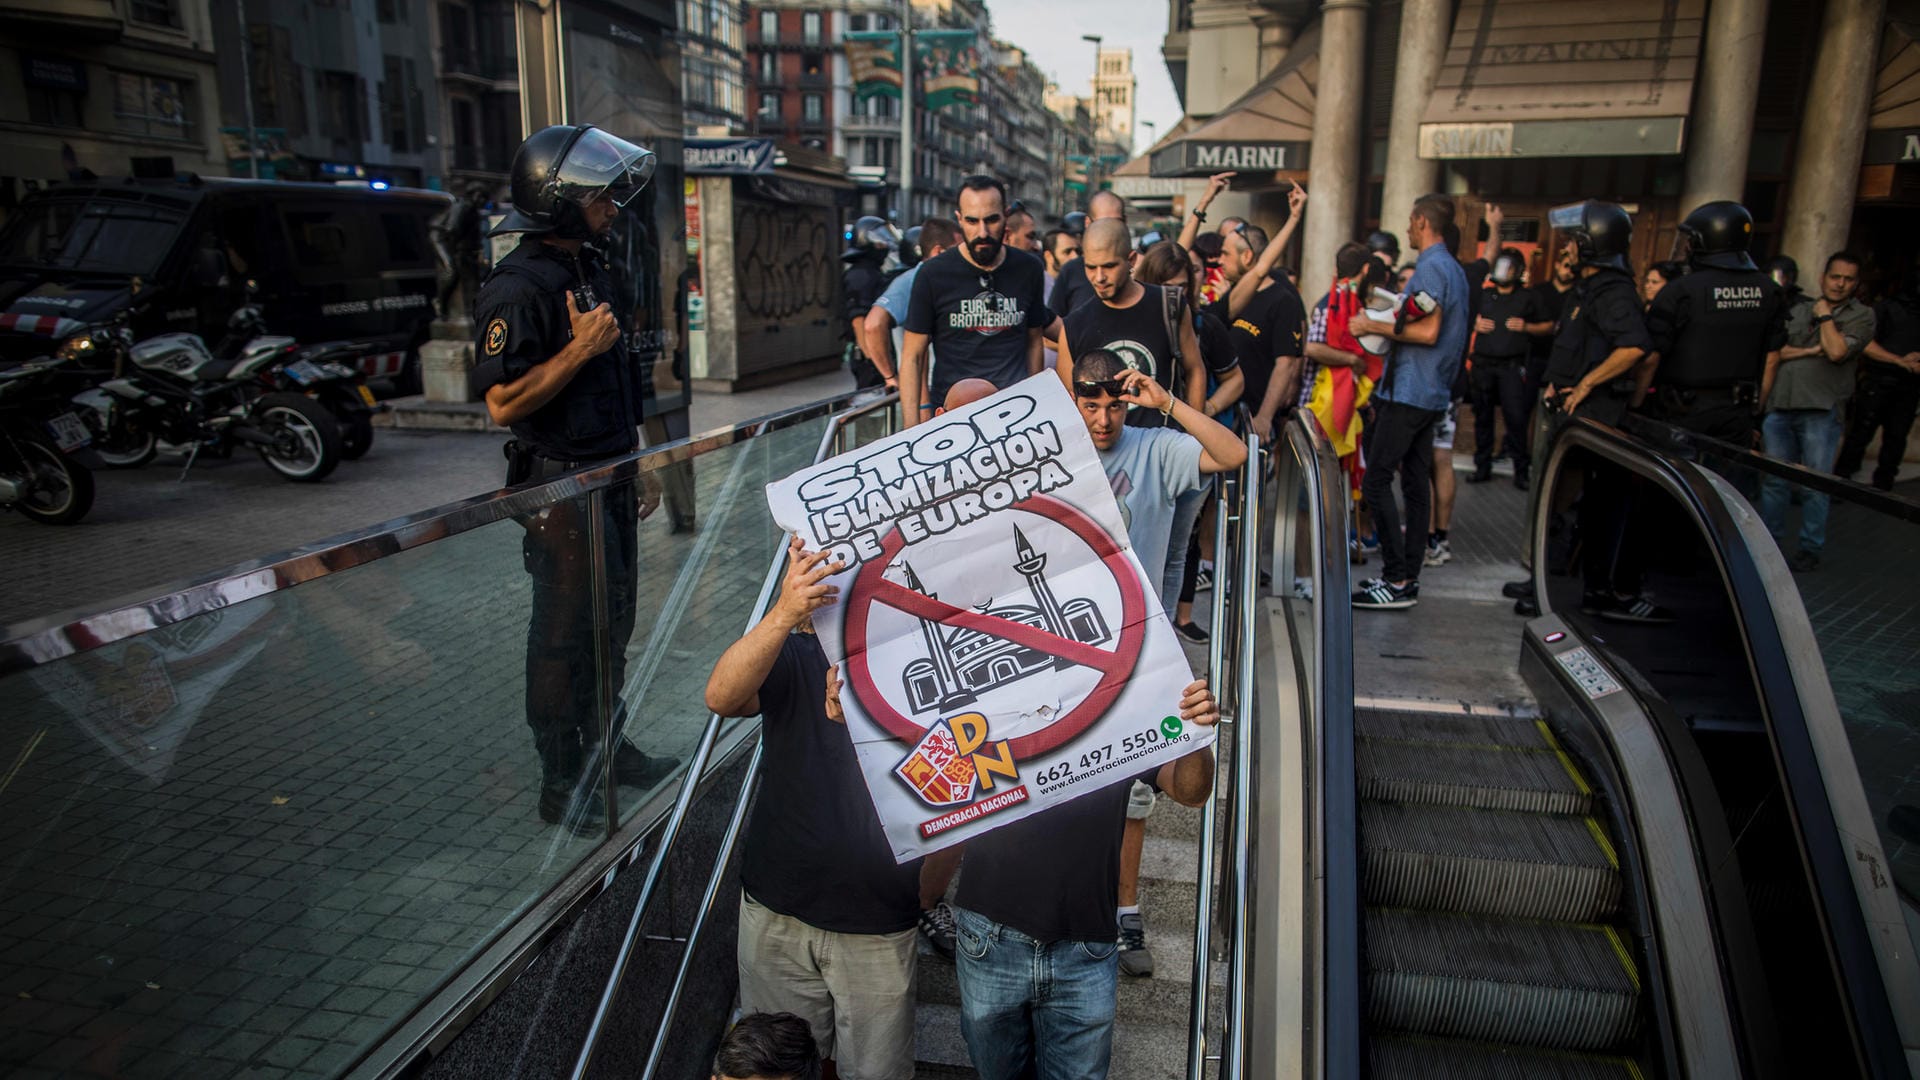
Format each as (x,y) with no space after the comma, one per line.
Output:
(1249,282)
(1216,184)
(1220,449)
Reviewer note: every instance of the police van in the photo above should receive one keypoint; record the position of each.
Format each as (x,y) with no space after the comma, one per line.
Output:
(325,262)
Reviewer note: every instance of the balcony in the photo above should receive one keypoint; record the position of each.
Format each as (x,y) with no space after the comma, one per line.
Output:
(789,39)
(818,125)
(814,82)
(855,122)
(769,125)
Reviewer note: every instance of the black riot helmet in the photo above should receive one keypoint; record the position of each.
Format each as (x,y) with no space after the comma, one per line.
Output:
(1601,232)
(1717,234)
(560,170)
(1784,271)
(1508,268)
(869,236)
(910,251)
(1384,243)
(1075,223)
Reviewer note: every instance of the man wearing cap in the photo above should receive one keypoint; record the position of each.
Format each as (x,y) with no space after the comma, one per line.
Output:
(552,365)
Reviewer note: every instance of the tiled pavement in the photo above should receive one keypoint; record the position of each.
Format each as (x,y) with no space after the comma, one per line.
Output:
(246,845)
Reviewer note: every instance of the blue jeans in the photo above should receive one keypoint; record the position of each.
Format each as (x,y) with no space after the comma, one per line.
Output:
(1034,1009)
(1809,437)
(1186,511)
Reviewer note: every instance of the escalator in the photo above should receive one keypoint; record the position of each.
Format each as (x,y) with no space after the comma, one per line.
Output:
(1564,847)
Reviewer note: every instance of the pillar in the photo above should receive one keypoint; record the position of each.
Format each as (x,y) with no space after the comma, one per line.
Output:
(1833,130)
(1424,25)
(1337,124)
(1721,127)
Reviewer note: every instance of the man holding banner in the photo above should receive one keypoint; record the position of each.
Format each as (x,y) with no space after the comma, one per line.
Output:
(1009,672)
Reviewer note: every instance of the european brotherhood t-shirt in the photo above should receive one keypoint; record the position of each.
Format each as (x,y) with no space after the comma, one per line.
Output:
(978,319)
(1149,468)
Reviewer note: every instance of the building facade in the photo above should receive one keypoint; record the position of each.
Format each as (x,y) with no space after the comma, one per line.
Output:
(713,66)
(1114,87)
(346,91)
(1802,109)
(108,90)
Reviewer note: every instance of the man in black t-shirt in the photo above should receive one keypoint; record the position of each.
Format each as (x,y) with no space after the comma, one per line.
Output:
(1145,325)
(1269,331)
(1509,318)
(827,919)
(1889,392)
(1070,287)
(980,304)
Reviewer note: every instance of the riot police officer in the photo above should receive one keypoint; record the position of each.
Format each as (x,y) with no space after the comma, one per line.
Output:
(870,245)
(1716,332)
(552,364)
(1601,337)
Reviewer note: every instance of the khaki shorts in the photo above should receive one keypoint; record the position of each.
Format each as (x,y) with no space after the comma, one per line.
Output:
(855,991)
(1140,801)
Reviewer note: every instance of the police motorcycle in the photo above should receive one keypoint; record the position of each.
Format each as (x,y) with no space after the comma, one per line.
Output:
(330,374)
(39,434)
(173,387)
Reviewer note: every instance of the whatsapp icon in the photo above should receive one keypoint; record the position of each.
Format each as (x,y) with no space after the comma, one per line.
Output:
(1171,727)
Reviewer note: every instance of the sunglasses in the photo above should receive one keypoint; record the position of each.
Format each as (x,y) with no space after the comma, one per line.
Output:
(1110,387)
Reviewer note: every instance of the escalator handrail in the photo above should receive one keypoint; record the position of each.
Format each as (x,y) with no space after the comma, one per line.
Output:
(1201,985)
(1794,694)
(1338,1004)
(1662,436)
(29,644)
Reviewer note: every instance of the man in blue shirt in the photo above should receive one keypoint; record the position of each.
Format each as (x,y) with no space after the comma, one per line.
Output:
(881,336)
(1431,330)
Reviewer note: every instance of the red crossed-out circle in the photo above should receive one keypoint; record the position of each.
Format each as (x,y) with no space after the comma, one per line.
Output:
(871,587)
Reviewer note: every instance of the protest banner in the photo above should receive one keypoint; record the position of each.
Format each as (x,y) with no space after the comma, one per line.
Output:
(1001,649)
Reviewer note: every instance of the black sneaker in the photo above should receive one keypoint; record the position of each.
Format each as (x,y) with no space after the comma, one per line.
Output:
(1381,596)
(1135,958)
(1631,609)
(1518,590)
(1203,579)
(936,925)
(1192,632)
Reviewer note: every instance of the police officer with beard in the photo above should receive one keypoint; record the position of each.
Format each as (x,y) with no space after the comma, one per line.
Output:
(1717,331)
(552,365)
(869,246)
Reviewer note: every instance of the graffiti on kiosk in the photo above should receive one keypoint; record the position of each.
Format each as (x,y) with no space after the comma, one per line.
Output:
(784,260)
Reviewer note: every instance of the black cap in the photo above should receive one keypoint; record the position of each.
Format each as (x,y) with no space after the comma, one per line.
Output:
(1717,234)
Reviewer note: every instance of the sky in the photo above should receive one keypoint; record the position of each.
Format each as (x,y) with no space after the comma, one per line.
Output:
(1050,32)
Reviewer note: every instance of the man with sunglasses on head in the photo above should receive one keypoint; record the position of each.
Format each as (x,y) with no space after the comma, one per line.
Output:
(1035,955)
(979,304)
(552,365)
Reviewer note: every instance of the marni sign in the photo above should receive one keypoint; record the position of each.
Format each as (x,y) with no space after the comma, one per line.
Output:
(1200,158)
(1894,146)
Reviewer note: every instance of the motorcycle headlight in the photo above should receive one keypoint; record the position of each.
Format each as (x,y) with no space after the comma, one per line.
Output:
(79,346)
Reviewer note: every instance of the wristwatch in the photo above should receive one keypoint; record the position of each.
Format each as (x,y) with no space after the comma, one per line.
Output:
(1199,215)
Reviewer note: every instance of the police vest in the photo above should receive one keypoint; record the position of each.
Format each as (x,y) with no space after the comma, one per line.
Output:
(598,412)
(1725,323)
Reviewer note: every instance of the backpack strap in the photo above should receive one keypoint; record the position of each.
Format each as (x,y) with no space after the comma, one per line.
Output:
(1172,301)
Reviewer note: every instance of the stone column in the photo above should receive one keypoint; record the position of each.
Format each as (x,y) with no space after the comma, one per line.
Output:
(1424,26)
(1833,131)
(1721,127)
(1335,165)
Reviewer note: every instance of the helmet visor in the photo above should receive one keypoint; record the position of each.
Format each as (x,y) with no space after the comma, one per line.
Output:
(1570,216)
(1507,270)
(599,165)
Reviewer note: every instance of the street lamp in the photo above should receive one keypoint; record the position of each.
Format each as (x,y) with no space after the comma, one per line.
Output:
(1154,137)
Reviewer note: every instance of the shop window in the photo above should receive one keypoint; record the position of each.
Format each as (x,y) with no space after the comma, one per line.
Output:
(151,105)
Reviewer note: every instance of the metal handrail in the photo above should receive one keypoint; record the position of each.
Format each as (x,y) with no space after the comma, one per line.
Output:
(1203,876)
(830,440)
(1233,1047)
(29,644)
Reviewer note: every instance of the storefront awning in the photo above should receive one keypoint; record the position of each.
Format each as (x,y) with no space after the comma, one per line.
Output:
(1268,130)
(1893,121)
(1565,78)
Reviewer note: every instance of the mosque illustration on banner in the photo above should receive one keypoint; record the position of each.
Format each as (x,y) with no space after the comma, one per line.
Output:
(963,663)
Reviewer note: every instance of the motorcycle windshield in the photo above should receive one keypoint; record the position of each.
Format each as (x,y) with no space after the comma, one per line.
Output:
(602,165)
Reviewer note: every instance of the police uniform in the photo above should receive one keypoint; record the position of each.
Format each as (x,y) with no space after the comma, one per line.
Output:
(521,321)
(862,284)
(1603,314)
(1713,329)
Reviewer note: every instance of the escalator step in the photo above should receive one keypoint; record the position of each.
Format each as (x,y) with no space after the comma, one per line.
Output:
(1446,1059)
(1557,985)
(1415,772)
(1492,862)
(1477,729)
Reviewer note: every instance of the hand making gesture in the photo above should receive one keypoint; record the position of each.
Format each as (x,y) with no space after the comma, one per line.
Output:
(804,590)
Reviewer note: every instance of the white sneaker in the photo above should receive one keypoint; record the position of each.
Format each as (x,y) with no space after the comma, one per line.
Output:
(1303,588)
(1439,552)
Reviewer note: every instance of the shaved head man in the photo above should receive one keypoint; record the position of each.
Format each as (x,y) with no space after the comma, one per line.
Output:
(1105,254)
(968,391)
(1071,287)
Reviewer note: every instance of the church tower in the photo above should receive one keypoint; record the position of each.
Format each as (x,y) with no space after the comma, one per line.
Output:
(946,679)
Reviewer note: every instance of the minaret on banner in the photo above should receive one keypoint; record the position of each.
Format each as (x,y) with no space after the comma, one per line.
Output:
(1032,565)
(946,681)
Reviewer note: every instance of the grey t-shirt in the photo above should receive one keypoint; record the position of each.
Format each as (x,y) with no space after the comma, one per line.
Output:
(1149,468)
(1815,382)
